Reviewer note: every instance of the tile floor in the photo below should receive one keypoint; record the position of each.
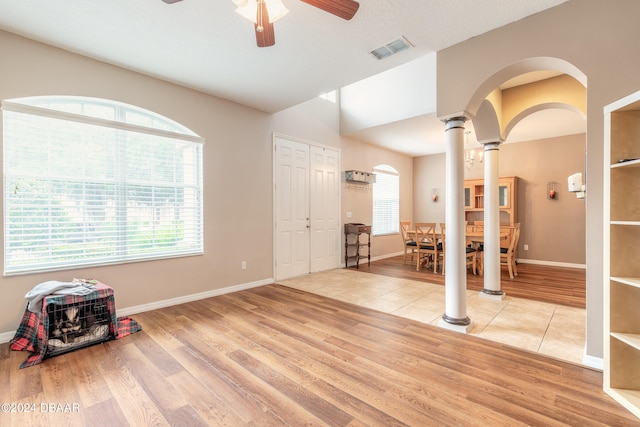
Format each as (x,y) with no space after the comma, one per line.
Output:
(554,330)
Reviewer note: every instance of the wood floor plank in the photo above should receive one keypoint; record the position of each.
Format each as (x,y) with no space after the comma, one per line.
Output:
(237,388)
(138,407)
(210,408)
(106,413)
(91,386)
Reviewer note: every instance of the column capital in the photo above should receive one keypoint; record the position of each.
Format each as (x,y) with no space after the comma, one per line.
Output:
(455,122)
(491,145)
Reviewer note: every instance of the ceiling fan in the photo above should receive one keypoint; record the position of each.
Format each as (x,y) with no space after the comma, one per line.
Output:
(258,12)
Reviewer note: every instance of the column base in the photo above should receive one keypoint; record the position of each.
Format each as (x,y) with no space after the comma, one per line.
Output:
(458,325)
(492,295)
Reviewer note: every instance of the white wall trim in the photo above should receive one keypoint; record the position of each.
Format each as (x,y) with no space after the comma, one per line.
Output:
(552,263)
(8,336)
(193,297)
(593,362)
(376,258)
(379,257)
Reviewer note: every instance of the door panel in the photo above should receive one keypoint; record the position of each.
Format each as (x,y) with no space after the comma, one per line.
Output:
(325,197)
(292,208)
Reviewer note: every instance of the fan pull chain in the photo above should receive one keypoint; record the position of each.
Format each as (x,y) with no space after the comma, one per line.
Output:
(260,26)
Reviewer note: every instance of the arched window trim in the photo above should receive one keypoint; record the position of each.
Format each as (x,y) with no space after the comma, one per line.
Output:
(22,105)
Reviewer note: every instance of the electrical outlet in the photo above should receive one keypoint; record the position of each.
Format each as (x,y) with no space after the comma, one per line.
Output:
(348,214)
(526,247)
(243,265)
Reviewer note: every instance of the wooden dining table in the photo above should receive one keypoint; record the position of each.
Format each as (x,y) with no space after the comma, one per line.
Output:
(473,237)
(477,236)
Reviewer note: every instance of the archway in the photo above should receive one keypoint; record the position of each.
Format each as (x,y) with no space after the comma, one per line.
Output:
(498,107)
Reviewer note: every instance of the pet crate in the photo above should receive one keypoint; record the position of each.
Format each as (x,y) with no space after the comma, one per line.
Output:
(76,325)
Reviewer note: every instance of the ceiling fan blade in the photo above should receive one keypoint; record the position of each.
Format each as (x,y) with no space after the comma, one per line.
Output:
(171,1)
(344,9)
(265,35)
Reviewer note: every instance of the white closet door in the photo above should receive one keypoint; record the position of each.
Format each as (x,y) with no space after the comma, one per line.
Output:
(307,208)
(325,209)
(292,208)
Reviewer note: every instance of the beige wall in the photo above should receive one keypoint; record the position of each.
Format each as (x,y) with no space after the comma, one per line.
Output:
(237,177)
(429,173)
(357,199)
(599,39)
(553,229)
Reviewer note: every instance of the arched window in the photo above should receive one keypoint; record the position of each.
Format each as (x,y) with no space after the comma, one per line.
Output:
(386,201)
(93,182)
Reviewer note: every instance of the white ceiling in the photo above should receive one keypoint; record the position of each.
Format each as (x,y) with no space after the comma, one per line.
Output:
(204,45)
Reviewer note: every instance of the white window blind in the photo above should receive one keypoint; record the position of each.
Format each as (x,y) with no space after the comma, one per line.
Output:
(386,201)
(94,182)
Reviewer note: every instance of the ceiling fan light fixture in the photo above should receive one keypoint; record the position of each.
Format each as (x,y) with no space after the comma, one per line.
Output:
(249,9)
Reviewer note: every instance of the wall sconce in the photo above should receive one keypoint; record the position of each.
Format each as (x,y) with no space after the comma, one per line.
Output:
(552,190)
(434,194)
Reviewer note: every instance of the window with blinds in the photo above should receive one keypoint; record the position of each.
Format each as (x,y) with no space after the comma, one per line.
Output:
(386,201)
(94,182)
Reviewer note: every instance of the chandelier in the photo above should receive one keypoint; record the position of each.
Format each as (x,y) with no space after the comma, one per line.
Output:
(469,154)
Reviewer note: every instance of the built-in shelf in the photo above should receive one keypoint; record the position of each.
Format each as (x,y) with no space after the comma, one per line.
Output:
(621,252)
(629,164)
(630,399)
(632,340)
(631,281)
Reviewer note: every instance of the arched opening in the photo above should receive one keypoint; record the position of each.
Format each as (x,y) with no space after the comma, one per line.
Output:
(502,109)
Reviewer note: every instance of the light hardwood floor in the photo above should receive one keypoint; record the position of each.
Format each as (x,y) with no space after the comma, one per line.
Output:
(278,356)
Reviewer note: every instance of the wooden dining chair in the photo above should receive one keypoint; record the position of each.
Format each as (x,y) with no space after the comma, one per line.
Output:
(471,259)
(408,240)
(507,255)
(427,246)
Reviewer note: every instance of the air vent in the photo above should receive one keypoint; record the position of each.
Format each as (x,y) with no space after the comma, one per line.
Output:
(391,48)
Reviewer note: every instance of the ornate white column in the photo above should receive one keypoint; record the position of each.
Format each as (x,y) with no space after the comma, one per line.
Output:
(492,288)
(455,284)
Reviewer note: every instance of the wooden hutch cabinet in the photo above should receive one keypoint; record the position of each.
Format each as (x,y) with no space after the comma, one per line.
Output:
(507,196)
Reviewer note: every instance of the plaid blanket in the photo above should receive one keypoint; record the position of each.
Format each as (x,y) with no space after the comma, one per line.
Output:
(33,333)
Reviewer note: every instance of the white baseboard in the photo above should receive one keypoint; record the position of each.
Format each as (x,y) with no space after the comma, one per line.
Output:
(376,258)
(7,336)
(188,298)
(379,257)
(593,362)
(552,263)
